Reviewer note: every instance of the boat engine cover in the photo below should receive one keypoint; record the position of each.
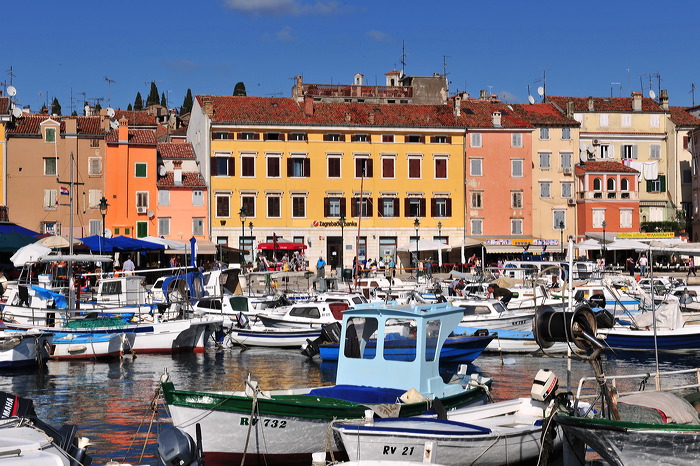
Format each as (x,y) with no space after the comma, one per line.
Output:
(544,385)
(176,446)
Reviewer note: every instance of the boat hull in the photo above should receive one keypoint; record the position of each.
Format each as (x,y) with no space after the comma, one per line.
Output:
(23,349)
(90,346)
(272,337)
(686,338)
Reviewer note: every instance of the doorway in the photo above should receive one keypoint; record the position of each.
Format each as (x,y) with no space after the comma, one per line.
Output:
(334,252)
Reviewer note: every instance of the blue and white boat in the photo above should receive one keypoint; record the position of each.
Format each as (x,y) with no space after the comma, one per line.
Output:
(24,349)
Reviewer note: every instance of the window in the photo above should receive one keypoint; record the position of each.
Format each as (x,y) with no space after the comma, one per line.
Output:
(414,207)
(567,190)
(440,168)
(248,136)
(441,139)
(388,164)
(361,207)
(516,140)
(197,197)
(220,135)
(388,207)
(413,138)
(625,218)
(604,119)
(624,184)
(441,207)
(686,177)
(142,199)
(544,133)
(516,226)
(516,199)
(94,166)
(96,227)
(516,168)
(654,121)
(223,165)
(475,139)
(163,197)
(360,138)
(141,229)
(50,166)
(164,226)
(387,138)
(566,159)
(274,207)
(414,167)
(476,199)
(559,219)
(566,134)
(274,137)
(273,166)
(598,218)
(363,167)
(50,135)
(298,206)
(223,206)
(658,185)
(544,160)
(475,168)
(50,199)
(333,167)
(610,184)
(334,137)
(248,203)
(597,184)
(197,227)
(334,207)
(654,151)
(298,167)
(629,151)
(545,189)
(140,170)
(248,166)
(297,137)
(477,226)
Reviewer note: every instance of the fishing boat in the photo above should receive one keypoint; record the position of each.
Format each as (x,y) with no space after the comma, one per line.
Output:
(311,314)
(513,341)
(506,432)
(271,337)
(288,426)
(492,314)
(89,346)
(23,349)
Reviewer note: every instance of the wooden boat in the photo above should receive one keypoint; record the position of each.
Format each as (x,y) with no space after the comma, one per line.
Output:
(287,426)
(457,349)
(23,349)
(89,346)
(312,314)
(506,432)
(271,337)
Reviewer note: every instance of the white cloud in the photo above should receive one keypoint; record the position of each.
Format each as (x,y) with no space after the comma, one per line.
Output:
(282,7)
(378,36)
(183,65)
(285,35)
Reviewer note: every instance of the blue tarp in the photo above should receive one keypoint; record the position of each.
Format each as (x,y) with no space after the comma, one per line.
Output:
(93,242)
(9,227)
(124,243)
(194,280)
(58,298)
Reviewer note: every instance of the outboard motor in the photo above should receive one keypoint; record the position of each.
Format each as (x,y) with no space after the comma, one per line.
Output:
(329,334)
(177,448)
(597,300)
(545,385)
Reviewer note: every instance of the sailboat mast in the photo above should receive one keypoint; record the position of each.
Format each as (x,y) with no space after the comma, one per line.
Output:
(359,222)
(71,193)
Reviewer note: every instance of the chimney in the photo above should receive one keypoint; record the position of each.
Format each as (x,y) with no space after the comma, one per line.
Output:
(484,94)
(637,101)
(569,109)
(104,119)
(458,106)
(496,118)
(308,105)
(371,117)
(591,107)
(123,131)
(663,99)
(348,117)
(71,127)
(207,106)
(177,172)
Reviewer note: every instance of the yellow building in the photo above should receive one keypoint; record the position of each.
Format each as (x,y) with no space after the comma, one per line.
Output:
(345,179)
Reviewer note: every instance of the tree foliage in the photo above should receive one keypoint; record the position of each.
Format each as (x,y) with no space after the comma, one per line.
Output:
(55,107)
(239,89)
(187,103)
(138,103)
(153,98)
(163,100)
(129,108)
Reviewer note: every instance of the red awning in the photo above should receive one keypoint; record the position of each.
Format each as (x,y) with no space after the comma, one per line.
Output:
(281,246)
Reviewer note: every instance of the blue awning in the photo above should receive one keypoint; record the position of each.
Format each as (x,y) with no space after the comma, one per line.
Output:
(9,227)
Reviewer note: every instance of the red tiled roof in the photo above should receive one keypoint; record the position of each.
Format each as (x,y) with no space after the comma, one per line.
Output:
(136,136)
(681,117)
(544,114)
(136,117)
(30,124)
(615,167)
(280,110)
(604,104)
(175,150)
(189,180)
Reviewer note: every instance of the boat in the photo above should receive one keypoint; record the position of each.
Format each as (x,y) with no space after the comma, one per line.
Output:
(311,314)
(513,341)
(457,349)
(89,346)
(506,432)
(492,314)
(271,337)
(24,349)
(288,426)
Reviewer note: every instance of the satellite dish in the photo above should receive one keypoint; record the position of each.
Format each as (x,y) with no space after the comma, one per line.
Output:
(531,99)
(16,112)
(582,146)
(161,170)
(591,149)
(652,94)
(108,233)
(582,156)
(110,112)
(540,91)
(150,214)
(114,124)
(11,91)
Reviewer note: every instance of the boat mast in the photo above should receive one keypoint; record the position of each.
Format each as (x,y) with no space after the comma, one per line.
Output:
(359,222)
(69,263)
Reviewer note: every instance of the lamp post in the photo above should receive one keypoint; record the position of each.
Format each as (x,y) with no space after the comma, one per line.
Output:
(103,210)
(342,244)
(416,224)
(242,214)
(604,248)
(561,236)
(439,225)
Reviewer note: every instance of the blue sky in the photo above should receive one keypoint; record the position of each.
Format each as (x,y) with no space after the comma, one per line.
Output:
(210,45)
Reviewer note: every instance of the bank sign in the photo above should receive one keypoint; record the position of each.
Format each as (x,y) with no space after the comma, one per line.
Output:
(649,235)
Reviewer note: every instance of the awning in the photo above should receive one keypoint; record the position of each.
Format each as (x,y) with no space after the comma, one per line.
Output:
(281,246)
(514,249)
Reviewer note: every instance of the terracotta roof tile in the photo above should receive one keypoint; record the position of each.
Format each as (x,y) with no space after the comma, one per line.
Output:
(175,150)
(136,117)
(136,136)
(189,180)
(29,124)
(604,104)
(544,114)
(681,117)
(606,166)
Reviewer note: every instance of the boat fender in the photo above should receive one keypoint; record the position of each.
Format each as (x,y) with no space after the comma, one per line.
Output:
(412,396)
(544,386)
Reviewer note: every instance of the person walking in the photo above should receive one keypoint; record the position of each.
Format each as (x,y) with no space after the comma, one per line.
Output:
(320,268)
(128,267)
(691,267)
(643,262)
(629,265)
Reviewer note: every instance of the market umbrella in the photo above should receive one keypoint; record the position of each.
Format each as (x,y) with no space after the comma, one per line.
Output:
(589,244)
(29,253)
(57,241)
(427,245)
(626,244)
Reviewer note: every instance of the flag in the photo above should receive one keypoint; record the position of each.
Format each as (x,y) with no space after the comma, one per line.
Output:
(64,191)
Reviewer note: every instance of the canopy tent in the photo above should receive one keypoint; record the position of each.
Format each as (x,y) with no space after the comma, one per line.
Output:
(626,244)
(98,243)
(124,243)
(29,253)
(589,244)
(168,244)
(11,242)
(9,227)
(281,246)
(427,245)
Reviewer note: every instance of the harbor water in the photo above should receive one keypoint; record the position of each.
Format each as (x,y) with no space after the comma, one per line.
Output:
(112,403)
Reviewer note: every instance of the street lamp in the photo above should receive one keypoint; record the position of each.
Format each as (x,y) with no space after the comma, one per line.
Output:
(342,244)
(416,224)
(103,210)
(441,241)
(561,235)
(604,248)
(242,214)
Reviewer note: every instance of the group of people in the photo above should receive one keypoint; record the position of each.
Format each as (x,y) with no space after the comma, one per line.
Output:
(494,291)
(294,263)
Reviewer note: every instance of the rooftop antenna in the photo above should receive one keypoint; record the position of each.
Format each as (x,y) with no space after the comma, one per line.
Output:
(542,90)
(109,90)
(490,87)
(692,92)
(628,81)
(97,100)
(611,89)
(529,95)
(403,59)
(10,74)
(444,70)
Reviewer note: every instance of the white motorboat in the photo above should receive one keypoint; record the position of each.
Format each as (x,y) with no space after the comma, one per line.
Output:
(491,314)
(89,346)
(271,337)
(312,314)
(24,348)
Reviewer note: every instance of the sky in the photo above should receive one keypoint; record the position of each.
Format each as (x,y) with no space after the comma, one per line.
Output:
(107,52)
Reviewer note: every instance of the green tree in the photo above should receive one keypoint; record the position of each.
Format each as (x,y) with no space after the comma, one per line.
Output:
(55,107)
(75,113)
(239,89)
(187,103)
(138,103)
(153,98)
(129,108)
(163,100)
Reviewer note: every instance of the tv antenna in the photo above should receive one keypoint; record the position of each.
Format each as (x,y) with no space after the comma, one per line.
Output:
(692,92)
(10,74)
(403,59)
(542,90)
(97,100)
(109,90)
(611,89)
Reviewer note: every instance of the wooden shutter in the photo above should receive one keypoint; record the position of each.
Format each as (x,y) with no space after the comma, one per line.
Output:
(414,168)
(290,167)
(231,166)
(369,207)
(380,207)
(353,207)
(326,207)
(307,167)
(422,207)
(388,167)
(370,169)
(406,207)
(440,168)
(433,207)
(214,167)
(448,207)
(342,206)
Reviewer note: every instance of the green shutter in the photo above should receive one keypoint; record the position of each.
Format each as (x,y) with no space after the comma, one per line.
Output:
(650,186)
(662,183)
(141,229)
(141,170)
